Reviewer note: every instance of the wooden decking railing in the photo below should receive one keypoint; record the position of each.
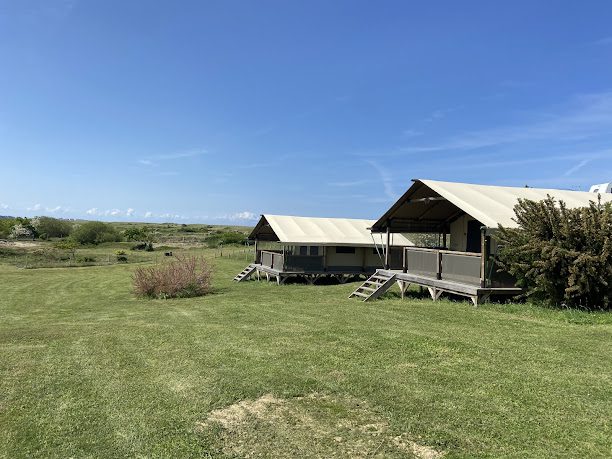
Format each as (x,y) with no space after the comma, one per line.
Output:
(465,267)
(274,260)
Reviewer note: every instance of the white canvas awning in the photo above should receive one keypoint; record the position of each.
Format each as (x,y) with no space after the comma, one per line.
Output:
(428,205)
(320,231)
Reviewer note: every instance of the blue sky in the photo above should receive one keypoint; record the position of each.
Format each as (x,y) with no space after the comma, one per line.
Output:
(218,111)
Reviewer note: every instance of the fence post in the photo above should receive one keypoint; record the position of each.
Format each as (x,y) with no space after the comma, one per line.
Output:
(439,264)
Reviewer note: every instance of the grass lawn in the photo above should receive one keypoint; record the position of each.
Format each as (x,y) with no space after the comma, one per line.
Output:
(87,370)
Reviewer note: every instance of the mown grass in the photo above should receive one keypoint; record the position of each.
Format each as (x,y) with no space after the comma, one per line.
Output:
(88,370)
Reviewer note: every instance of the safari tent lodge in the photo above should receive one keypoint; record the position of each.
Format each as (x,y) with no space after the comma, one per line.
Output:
(310,248)
(465,217)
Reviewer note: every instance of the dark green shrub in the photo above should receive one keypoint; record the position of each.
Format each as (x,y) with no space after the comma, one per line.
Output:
(95,233)
(6,225)
(561,256)
(52,227)
(225,238)
(145,237)
(121,256)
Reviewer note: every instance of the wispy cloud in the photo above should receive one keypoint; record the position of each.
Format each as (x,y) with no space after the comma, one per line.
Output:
(576,168)
(385,178)
(411,133)
(3,206)
(602,41)
(588,116)
(156,159)
(438,114)
(350,183)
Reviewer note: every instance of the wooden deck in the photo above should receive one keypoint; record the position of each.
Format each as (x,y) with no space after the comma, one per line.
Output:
(436,286)
(310,276)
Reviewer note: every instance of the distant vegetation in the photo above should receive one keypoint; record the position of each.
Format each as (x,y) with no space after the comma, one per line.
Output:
(96,233)
(48,227)
(561,256)
(144,236)
(63,243)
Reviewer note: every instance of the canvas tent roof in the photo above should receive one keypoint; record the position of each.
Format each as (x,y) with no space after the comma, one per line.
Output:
(320,231)
(429,205)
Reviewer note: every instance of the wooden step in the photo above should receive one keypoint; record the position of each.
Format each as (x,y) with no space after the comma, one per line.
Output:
(374,286)
(246,272)
(363,295)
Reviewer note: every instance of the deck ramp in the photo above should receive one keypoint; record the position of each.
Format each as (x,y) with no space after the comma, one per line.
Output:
(246,273)
(375,286)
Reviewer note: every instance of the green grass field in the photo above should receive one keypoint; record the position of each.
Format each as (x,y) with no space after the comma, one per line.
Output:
(259,370)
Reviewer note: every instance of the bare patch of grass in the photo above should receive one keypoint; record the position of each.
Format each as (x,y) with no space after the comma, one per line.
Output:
(315,425)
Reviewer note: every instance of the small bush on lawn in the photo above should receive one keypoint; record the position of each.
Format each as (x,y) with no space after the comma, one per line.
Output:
(181,278)
(561,256)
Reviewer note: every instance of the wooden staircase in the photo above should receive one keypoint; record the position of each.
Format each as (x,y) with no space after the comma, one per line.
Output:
(375,286)
(246,273)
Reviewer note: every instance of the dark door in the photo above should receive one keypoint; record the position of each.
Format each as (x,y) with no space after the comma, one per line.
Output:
(473,236)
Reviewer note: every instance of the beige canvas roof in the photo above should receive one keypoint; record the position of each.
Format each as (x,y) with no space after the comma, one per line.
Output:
(430,202)
(320,231)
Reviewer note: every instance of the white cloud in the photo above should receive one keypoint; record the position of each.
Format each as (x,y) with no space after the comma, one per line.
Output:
(53,209)
(92,211)
(146,162)
(35,207)
(245,216)
(129,212)
(148,214)
(3,206)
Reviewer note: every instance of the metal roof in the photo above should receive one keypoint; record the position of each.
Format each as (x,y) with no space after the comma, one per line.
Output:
(429,204)
(320,231)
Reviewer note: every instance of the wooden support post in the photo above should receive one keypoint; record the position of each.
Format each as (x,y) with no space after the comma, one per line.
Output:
(388,243)
(404,259)
(438,264)
(256,257)
(483,257)
(444,240)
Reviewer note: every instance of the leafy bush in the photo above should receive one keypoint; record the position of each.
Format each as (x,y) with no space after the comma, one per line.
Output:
(52,227)
(225,238)
(144,236)
(181,278)
(121,256)
(561,256)
(6,226)
(95,233)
